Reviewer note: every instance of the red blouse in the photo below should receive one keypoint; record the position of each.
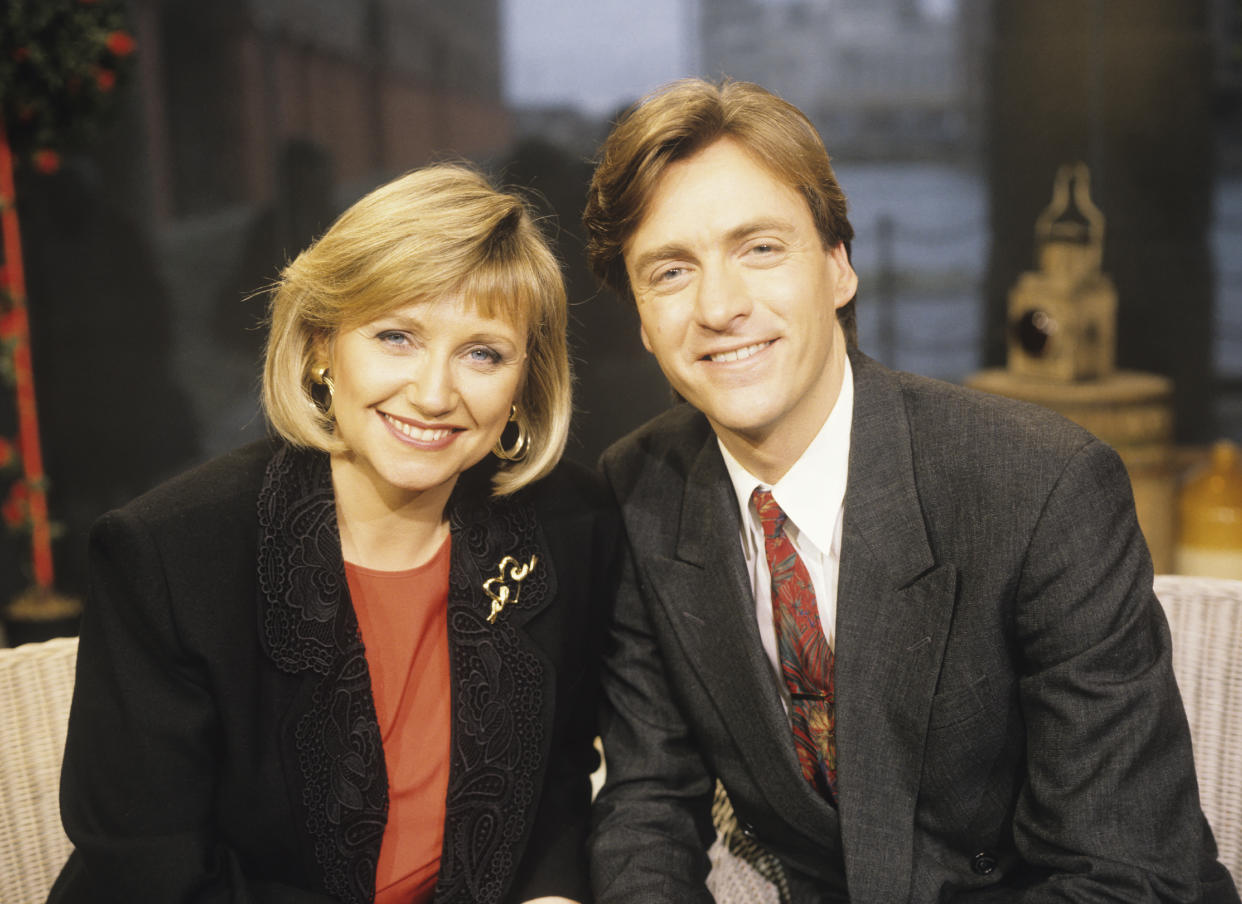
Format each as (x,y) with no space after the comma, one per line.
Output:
(403,617)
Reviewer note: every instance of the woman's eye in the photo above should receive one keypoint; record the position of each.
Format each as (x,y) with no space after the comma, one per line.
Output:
(669,274)
(392,337)
(484,355)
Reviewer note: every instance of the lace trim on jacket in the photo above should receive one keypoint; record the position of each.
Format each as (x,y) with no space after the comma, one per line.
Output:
(309,626)
(498,745)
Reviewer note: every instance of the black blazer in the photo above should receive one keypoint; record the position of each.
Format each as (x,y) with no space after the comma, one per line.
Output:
(1008,727)
(223,743)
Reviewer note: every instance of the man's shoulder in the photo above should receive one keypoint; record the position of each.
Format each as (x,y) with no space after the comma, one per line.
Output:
(671,436)
(936,408)
(951,414)
(652,464)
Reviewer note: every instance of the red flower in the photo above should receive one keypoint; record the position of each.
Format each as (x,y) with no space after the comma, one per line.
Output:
(46,161)
(21,55)
(16,508)
(121,43)
(6,295)
(105,79)
(8,454)
(13,324)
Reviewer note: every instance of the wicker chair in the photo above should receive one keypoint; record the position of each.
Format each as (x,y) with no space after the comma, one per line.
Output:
(742,872)
(36,684)
(1205,617)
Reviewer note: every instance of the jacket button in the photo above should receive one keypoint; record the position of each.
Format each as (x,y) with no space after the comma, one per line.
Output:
(749,831)
(983,863)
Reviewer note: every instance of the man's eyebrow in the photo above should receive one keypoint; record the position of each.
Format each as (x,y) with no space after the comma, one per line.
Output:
(674,251)
(746,230)
(667,252)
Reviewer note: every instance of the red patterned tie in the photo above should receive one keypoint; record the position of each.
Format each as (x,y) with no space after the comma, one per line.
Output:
(806,658)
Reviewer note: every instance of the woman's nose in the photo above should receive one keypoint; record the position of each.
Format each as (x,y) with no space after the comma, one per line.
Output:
(431,388)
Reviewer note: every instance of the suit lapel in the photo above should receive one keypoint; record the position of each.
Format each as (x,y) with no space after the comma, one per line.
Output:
(894,605)
(705,590)
(331,739)
(503,693)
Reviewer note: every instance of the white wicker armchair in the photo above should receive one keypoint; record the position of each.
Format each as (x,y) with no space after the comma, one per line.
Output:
(36,684)
(1205,617)
(742,872)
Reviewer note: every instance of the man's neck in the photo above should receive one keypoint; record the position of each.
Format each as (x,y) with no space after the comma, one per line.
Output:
(770,453)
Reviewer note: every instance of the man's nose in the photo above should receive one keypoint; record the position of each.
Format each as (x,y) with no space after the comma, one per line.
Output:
(722,298)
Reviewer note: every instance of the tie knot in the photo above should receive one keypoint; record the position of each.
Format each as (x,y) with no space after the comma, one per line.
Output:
(770,514)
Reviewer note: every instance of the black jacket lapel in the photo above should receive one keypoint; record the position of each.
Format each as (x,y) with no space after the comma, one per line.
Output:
(310,632)
(503,696)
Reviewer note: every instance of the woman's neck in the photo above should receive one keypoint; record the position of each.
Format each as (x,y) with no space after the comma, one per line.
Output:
(389,530)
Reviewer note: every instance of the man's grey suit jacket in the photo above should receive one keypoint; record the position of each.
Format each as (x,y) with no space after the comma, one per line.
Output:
(1008,727)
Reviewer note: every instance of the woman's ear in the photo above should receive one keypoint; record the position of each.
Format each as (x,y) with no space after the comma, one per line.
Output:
(321,351)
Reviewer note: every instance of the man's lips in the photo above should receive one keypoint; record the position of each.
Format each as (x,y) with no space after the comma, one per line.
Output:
(738,354)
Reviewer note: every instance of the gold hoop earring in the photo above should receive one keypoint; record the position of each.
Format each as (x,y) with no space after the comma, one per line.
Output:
(321,391)
(521,445)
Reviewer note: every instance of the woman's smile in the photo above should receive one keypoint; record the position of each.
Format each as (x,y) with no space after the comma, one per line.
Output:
(421,435)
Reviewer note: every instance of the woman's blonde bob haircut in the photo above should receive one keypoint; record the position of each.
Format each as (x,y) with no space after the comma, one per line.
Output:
(441,232)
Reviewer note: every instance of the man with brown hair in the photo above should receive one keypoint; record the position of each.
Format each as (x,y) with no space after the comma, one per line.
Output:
(909,627)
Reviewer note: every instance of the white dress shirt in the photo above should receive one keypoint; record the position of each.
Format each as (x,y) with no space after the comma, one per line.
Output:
(812,496)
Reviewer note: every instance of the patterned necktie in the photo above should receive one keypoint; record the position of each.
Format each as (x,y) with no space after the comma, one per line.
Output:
(806,658)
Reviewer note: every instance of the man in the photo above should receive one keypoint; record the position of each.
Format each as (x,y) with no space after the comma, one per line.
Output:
(909,627)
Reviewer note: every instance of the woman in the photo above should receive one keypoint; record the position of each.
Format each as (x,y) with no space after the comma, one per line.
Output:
(357,663)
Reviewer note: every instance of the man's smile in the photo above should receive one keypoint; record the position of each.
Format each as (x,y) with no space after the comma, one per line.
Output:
(739,354)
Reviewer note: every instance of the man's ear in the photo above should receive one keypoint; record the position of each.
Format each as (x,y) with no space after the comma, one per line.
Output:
(642,331)
(847,280)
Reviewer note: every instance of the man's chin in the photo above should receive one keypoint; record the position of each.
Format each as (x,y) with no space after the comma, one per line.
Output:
(744,426)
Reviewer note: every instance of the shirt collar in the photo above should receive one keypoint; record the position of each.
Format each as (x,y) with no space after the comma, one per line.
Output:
(812,491)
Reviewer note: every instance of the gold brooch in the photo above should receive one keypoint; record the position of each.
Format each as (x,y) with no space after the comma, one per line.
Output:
(517,573)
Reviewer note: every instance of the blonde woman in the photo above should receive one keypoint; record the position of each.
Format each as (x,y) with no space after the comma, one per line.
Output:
(356,663)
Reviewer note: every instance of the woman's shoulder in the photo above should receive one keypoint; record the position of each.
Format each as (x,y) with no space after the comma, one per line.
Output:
(196,536)
(569,488)
(229,481)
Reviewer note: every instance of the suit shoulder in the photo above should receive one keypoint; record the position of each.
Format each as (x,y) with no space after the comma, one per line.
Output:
(230,482)
(994,453)
(669,440)
(946,410)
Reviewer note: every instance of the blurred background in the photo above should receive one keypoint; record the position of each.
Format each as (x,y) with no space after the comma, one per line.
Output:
(237,129)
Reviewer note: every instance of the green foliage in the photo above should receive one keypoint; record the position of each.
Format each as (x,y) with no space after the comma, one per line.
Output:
(61,63)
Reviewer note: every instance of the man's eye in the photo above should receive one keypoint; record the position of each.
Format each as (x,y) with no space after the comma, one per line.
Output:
(669,274)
